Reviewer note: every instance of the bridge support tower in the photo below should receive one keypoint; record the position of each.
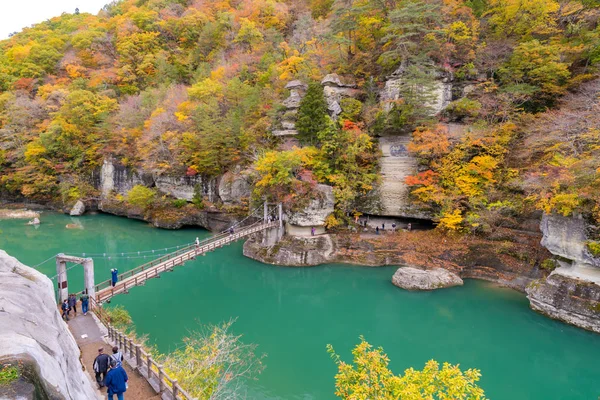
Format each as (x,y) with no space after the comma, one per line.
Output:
(61,272)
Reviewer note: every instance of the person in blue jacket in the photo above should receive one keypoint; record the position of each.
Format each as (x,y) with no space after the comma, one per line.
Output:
(114,276)
(116,380)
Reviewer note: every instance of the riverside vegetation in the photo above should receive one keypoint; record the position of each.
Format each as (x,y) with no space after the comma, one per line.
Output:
(193,88)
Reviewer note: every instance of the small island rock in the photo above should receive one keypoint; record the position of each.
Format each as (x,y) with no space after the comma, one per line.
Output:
(78,209)
(411,278)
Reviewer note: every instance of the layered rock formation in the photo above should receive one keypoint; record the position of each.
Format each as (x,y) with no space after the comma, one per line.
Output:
(78,209)
(40,340)
(572,292)
(393,193)
(292,103)
(335,88)
(441,93)
(300,223)
(410,278)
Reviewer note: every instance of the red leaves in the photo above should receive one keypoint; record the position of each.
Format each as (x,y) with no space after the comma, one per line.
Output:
(425,178)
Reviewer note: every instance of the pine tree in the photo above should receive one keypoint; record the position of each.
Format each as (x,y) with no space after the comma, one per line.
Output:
(312,115)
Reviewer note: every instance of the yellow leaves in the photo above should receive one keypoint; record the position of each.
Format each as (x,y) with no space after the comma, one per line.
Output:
(562,203)
(34,151)
(369,378)
(205,90)
(75,71)
(451,220)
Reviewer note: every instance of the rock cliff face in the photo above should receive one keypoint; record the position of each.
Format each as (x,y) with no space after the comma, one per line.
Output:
(566,237)
(294,251)
(300,222)
(571,300)
(572,292)
(441,94)
(393,193)
(40,339)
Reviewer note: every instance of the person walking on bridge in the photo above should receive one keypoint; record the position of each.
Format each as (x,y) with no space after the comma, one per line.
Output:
(197,242)
(114,276)
(116,380)
(101,367)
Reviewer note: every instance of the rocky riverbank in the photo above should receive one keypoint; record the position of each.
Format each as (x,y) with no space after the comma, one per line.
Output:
(513,263)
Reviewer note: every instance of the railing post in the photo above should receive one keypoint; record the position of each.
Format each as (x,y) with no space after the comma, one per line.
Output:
(149,361)
(161,377)
(120,341)
(138,357)
(130,348)
(175,389)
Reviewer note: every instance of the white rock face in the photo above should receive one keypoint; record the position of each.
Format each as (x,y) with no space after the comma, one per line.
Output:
(419,279)
(78,209)
(442,93)
(180,188)
(335,90)
(107,182)
(31,329)
(566,237)
(396,164)
(235,187)
(317,210)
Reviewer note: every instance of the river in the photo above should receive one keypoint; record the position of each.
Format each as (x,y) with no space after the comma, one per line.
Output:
(293,313)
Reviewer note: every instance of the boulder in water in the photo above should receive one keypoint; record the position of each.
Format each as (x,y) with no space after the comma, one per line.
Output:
(78,209)
(35,221)
(411,278)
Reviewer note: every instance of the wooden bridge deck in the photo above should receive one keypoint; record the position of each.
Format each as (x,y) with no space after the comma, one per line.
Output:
(139,275)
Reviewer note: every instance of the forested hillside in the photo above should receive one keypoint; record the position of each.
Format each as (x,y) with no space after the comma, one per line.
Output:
(196,87)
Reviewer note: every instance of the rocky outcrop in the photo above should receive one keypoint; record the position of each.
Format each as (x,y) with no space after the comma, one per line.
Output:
(40,340)
(120,179)
(235,187)
(441,92)
(393,193)
(335,88)
(295,251)
(292,103)
(182,187)
(566,237)
(314,214)
(572,292)
(571,300)
(411,278)
(78,209)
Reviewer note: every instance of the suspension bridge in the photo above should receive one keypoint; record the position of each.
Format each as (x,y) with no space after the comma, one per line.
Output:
(102,292)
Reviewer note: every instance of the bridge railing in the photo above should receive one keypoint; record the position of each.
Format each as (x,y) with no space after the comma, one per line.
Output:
(127,274)
(168,262)
(141,361)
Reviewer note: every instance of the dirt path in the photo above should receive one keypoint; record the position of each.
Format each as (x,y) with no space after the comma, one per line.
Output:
(139,388)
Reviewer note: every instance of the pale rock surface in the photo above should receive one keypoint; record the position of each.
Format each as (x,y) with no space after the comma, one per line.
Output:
(40,337)
(235,187)
(420,279)
(566,237)
(78,209)
(396,164)
(442,92)
(178,187)
(317,210)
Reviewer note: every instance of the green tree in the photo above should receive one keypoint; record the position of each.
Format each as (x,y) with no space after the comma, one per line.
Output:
(141,196)
(312,114)
(369,377)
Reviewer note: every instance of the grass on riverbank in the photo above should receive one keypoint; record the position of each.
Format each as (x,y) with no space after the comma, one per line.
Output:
(8,374)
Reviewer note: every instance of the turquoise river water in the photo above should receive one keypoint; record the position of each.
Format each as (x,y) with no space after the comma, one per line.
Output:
(293,313)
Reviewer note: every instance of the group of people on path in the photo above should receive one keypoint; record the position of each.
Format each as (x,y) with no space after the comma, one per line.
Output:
(70,304)
(377,229)
(110,373)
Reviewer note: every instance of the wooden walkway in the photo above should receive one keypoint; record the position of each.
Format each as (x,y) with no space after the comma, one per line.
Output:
(139,275)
